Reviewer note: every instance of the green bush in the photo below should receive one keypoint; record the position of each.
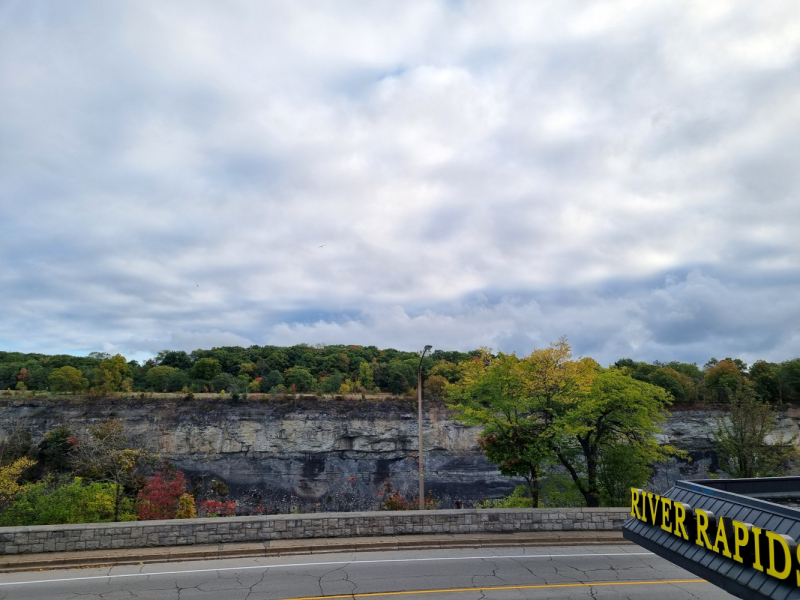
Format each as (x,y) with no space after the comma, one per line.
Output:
(556,490)
(59,501)
(559,491)
(517,499)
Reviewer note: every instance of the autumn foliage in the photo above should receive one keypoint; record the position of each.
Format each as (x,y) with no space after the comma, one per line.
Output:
(394,500)
(215,508)
(159,498)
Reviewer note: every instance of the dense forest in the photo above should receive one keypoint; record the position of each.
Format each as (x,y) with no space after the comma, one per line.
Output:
(340,369)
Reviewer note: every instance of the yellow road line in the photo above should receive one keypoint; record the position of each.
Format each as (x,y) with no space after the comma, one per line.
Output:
(503,587)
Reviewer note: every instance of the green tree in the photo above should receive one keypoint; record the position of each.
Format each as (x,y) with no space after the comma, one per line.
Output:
(177,381)
(745,440)
(789,380)
(365,377)
(515,400)
(301,378)
(277,361)
(56,450)
(224,382)
(723,378)
(158,378)
(682,387)
(446,369)
(67,379)
(764,377)
(270,381)
(620,469)
(206,368)
(174,358)
(248,369)
(332,383)
(617,411)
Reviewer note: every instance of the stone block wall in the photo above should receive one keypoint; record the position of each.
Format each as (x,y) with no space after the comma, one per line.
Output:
(227,530)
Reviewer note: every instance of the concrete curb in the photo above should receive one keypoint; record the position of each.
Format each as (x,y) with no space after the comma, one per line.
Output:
(95,558)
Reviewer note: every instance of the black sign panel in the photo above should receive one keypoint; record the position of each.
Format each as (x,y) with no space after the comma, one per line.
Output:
(742,544)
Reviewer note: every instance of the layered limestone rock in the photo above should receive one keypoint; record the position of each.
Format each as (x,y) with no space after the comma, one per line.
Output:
(337,454)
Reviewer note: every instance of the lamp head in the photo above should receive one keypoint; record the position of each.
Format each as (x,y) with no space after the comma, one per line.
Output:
(428,348)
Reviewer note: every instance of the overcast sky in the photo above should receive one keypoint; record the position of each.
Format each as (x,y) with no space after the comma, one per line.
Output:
(192,174)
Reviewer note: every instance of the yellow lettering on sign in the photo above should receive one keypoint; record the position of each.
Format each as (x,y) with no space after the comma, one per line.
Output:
(681,512)
(704,519)
(666,511)
(652,500)
(776,540)
(635,497)
(757,548)
(722,538)
(798,571)
(741,537)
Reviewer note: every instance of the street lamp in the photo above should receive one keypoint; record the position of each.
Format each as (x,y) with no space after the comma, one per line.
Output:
(419,403)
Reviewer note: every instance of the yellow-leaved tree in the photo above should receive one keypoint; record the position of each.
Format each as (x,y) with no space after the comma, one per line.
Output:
(9,479)
(549,407)
(111,375)
(517,400)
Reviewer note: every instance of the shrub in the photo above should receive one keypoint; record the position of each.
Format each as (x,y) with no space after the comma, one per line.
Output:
(393,500)
(215,508)
(60,501)
(9,478)
(517,499)
(159,499)
(220,488)
(186,507)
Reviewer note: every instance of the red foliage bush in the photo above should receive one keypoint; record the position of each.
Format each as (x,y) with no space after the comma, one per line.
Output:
(158,499)
(216,508)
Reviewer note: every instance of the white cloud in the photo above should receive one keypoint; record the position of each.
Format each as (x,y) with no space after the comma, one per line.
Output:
(175,168)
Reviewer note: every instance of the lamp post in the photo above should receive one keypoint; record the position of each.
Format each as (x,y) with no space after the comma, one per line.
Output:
(419,403)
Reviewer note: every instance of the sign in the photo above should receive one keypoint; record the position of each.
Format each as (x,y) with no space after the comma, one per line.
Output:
(745,545)
(764,550)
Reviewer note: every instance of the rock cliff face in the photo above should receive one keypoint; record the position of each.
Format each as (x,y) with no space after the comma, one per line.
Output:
(336,453)
(692,431)
(273,454)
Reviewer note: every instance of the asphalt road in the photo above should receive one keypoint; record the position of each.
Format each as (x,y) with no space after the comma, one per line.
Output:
(595,572)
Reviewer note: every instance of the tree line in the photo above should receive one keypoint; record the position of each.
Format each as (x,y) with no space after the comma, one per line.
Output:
(341,369)
(301,368)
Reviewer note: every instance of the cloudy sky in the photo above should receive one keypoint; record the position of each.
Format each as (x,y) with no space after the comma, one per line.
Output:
(461,174)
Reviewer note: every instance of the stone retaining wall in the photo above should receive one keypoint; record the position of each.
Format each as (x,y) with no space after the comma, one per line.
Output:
(177,532)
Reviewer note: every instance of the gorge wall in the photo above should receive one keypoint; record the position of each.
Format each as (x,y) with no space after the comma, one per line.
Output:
(334,454)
